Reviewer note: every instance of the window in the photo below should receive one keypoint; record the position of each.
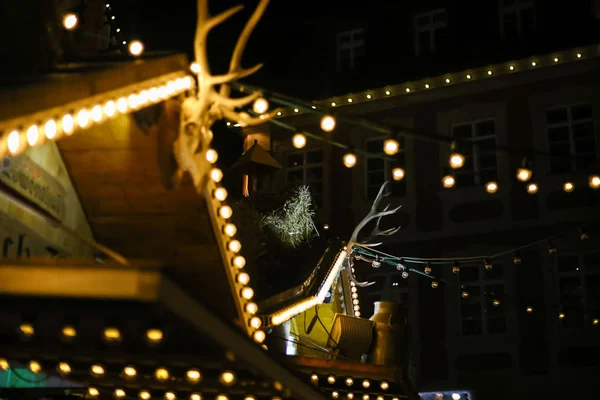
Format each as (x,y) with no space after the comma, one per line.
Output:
(571,141)
(579,289)
(430,31)
(517,17)
(483,310)
(480,156)
(307,168)
(378,170)
(350,48)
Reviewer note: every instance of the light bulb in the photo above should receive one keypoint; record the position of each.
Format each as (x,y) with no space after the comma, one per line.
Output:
(561,315)
(468,76)
(136,48)
(349,100)
(369,97)
(132,101)
(243,278)
(427,86)
(447,80)
(247,293)
(448,181)
(64,368)
(255,322)
(14,141)
(83,118)
(491,187)
(70,21)
(144,395)
(211,156)
(391,147)
(387,92)
(578,55)
(533,63)
(465,294)
(122,104)
(434,284)
(193,375)
(529,309)
(296,110)
(455,396)
(225,212)
(349,381)
(112,335)
(97,370)
(532,188)
(33,134)
(335,395)
(489,73)
(398,174)
(251,308)
(130,372)
(524,174)
(456,160)
(407,90)
(512,67)
(26,330)
(333,104)
(239,262)
(67,124)
(328,123)
(97,113)
(216,175)
(35,367)
(93,392)
(260,106)
(229,229)
(349,160)
(555,59)
(161,374)
(220,194)
(259,336)
(384,385)
(331,379)
(119,393)
(110,108)
(69,332)
(154,335)
(195,68)
(496,303)
(227,378)
(50,129)
(299,140)
(594,181)
(568,187)
(234,246)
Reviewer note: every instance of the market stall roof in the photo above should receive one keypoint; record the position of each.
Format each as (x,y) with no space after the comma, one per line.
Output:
(256,159)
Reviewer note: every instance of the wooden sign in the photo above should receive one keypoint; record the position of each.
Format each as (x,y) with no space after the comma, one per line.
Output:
(32,182)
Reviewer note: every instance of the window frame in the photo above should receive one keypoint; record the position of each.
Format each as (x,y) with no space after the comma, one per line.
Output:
(569,125)
(352,45)
(387,168)
(477,170)
(429,28)
(304,168)
(481,283)
(517,8)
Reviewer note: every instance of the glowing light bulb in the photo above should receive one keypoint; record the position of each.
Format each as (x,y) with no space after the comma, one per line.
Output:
(97,370)
(33,135)
(456,160)
(255,322)
(132,101)
(398,174)
(97,113)
(496,302)
(35,366)
(193,376)
(212,156)
(512,67)
(67,124)
(331,379)
(260,106)
(594,181)
(427,86)
(26,330)
(468,76)
(491,187)
(227,378)
(579,55)
(154,335)
(109,108)
(568,187)
(279,113)
(69,332)
(243,278)
(161,374)
(595,321)
(349,160)
(489,73)
(195,67)
(50,129)
(532,188)
(366,383)
(448,80)
(136,48)
(369,97)
(455,396)
(144,395)
(555,59)
(391,147)
(349,381)
(239,262)
(434,284)
(93,392)
(64,368)
(333,104)
(229,229)
(119,392)
(251,308)
(216,175)
(247,293)
(349,100)
(234,246)
(465,294)
(130,372)
(70,21)
(524,174)
(220,194)
(384,385)
(533,63)
(299,140)
(529,310)
(122,104)
(407,90)
(112,335)
(328,123)
(83,118)
(259,336)
(387,92)
(561,315)
(448,181)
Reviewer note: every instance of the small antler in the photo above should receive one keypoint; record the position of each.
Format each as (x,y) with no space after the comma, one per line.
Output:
(373,213)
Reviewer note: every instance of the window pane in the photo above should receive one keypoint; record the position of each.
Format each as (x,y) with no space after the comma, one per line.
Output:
(440,37)
(567,263)
(316,187)
(425,42)
(464,180)
(527,20)
(462,131)
(372,191)
(439,17)
(374,146)
(591,262)
(423,20)
(509,22)
(487,161)
(485,128)
(469,274)
(470,310)
(585,161)
(556,116)
(496,325)
(585,146)
(559,134)
(314,174)
(581,111)
(570,285)
(560,165)
(375,164)
(471,327)
(295,177)
(583,130)
(314,157)
(295,160)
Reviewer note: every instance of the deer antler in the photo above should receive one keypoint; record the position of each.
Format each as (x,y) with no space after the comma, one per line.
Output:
(373,213)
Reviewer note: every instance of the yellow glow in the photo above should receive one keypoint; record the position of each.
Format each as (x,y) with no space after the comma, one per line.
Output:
(281,316)
(349,381)
(595,321)
(216,175)
(529,309)
(163,93)
(333,104)
(366,383)
(83,118)
(97,113)
(568,187)
(35,366)
(369,97)
(365,397)
(227,378)
(122,104)
(195,396)
(579,55)
(119,393)
(391,147)
(496,303)
(434,284)
(259,336)
(26,330)
(384,385)
(468,76)
(489,72)
(427,86)
(50,129)
(299,140)
(153,94)
(70,21)
(170,396)
(112,334)
(133,101)
(533,63)
(93,392)
(296,110)
(448,181)
(279,113)
(239,261)
(387,92)
(193,375)
(491,187)
(335,394)
(447,80)
(407,90)
(33,134)
(398,174)
(247,293)
(222,397)
(144,395)
(225,212)
(331,379)
(532,188)
(349,160)
(524,174)
(465,294)
(314,378)
(154,335)
(561,315)
(212,156)
(456,160)
(67,124)
(555,59)
(136,48)
(130,372)
(328,123)
(229,230)
(64,368)
(594,181)
(161,374)
(255,322)
(97,370)
(234,246)
(4,365)
(260,106)
(220,194)
(512,67)
(14,141)
(251,308)
(349,100)
(143,97)
(109,108)
(195,68)
(243,278)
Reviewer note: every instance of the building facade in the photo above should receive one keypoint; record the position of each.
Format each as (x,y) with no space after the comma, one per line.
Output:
(514,84)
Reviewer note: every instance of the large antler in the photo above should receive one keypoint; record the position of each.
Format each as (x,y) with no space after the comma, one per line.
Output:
(373,213)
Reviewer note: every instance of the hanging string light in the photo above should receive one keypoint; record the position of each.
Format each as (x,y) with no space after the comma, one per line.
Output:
(491,187)
(532,188)
(136,48)
(299,140)
(448,181)
(456,160)
(568,186)
(350,159)
(391,146)
(524,173)
(70,21)
(517,258)
(398,173)
(260,105)
(594,181)
(328,123)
